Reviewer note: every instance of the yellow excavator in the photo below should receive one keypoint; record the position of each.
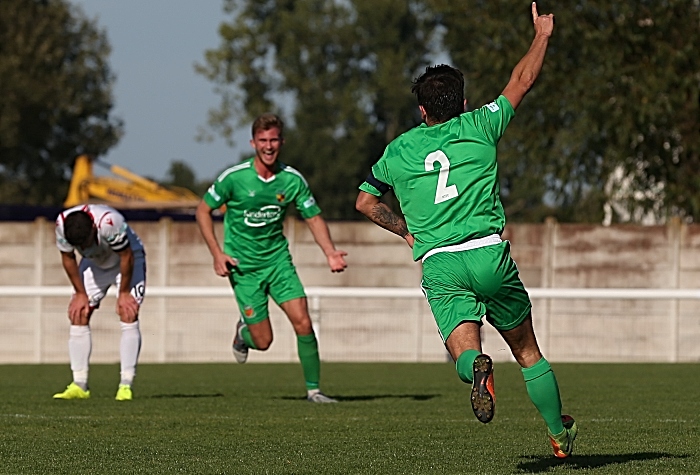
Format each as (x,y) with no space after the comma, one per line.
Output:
(126,191)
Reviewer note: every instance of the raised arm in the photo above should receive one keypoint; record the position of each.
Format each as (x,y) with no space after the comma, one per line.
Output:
(526,71)
(322,236)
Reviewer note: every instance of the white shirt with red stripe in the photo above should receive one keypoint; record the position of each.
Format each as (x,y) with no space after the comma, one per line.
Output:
(113,235)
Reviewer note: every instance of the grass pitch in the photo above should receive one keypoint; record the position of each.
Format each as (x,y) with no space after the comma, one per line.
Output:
(391,419)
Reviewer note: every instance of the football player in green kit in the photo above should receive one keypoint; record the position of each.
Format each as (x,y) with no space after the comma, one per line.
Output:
(444,174)
(255,255)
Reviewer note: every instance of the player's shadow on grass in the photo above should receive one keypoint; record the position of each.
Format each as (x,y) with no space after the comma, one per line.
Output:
(183,396)
(584,462)
(415,397)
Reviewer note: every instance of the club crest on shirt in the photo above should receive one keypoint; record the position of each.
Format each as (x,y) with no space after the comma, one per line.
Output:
(248,311)
(280,196)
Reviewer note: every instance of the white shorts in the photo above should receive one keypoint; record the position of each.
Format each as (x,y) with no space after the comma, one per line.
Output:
(97,280)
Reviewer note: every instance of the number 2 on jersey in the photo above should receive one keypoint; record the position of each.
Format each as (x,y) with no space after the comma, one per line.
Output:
(443,192)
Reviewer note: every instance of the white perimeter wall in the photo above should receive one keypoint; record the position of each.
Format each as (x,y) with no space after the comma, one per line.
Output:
(35,330)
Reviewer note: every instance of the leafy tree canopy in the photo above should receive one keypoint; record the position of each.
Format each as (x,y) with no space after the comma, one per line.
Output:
(617,97)
(180,174)
(55,98)
(344,65)
(619,89)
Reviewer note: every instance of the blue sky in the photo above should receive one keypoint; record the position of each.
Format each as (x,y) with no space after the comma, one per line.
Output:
(157,94)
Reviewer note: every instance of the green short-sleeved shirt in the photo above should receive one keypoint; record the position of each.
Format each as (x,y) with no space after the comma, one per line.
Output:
(445,177)
(255,211)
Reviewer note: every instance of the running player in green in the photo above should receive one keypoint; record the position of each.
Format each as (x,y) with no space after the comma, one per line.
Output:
(445,176)
(255,256)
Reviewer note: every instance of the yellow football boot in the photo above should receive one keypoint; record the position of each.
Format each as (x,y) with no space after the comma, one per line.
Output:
(73,391)
(124,393)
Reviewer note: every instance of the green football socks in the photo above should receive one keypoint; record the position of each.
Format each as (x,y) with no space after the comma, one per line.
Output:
(307,347)
(248,338)
(465,365)
(543,390)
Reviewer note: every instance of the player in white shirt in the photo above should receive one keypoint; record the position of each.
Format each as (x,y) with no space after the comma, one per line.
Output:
(111,254)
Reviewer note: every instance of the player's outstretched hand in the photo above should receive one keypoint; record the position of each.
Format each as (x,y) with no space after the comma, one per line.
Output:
(544,24)
(336,260)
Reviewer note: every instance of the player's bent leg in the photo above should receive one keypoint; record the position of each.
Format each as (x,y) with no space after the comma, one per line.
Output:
(473,367)
(239,345)
(542,387)
(287,291)
(129,349)
(523,343)
(307,348)
(253,330)
(483,395)
(251,336)
(465,365)
(96,282)
(297,312)
(563,443)
(257,336)
(540,382)
(130,344)
(79,350)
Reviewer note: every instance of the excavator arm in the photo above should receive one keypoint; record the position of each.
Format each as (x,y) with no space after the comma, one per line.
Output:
(127,189)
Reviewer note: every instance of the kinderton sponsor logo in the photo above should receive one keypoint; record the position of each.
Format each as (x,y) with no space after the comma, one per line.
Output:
(262,217)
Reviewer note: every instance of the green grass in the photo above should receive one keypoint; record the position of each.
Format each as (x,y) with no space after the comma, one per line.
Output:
(391,419)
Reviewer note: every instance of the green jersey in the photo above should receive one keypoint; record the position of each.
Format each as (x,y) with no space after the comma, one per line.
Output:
(255,211)
(445,177)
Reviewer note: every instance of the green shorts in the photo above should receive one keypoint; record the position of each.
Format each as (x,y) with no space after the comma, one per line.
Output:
(469,285)
(252,288)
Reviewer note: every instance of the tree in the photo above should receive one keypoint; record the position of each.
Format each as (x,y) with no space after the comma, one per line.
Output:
(618,96)
(55,98)
(180,174)
(616,108)
(342,69)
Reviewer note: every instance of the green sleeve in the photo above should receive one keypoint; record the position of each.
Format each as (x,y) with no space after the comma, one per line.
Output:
(367,188)
(216,195)
(379,180)
(493,118)
(305,202)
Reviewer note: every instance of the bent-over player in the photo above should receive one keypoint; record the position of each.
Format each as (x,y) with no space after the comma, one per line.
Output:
(111,254)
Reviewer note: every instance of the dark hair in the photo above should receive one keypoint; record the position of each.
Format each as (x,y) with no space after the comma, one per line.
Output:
(77,227)
(266,122)
(440,90)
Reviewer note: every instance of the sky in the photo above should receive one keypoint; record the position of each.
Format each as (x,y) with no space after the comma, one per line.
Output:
(158,95)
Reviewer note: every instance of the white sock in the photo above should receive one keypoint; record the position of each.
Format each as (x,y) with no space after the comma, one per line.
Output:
(79,349)
(311,392)
(129,349)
